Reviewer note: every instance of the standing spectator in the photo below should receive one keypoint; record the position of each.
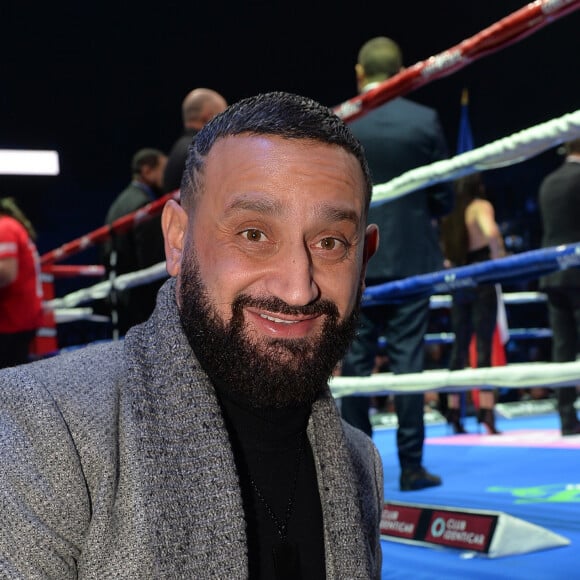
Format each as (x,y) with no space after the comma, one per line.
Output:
(140,247)
(560,208)
(398,136)
(470,234)
(20,287)
(199,106)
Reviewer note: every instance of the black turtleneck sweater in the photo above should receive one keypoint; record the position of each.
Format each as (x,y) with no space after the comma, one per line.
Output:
(271,450)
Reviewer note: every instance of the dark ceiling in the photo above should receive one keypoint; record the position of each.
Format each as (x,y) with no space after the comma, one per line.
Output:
(99,80)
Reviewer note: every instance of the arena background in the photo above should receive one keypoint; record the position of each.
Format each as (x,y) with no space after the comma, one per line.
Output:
(97,81)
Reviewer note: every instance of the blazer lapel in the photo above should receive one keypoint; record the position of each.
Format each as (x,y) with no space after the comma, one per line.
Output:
(348,551)
(193,508)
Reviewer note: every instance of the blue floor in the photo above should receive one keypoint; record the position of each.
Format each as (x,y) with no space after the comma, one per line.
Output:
(520,475)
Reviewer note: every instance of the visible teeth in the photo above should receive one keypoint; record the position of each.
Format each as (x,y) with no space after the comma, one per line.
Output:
(278,320)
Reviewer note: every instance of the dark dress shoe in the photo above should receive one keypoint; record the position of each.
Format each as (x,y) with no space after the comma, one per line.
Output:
(571,430)
(413,479)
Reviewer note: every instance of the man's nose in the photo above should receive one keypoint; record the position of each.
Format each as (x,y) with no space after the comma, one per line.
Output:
(292,277)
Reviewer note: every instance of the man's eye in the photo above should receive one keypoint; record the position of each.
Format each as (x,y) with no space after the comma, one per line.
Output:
(253,235)
(331,244)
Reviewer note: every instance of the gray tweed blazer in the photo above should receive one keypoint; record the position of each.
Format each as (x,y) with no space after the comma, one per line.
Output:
(115,463)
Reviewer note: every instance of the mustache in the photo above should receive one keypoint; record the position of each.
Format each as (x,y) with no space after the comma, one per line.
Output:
(273,304)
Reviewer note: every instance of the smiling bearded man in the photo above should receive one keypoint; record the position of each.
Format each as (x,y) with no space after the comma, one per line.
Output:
(268,248)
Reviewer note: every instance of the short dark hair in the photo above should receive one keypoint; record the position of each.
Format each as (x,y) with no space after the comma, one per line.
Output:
(380,57)
(145,157)
(277,113)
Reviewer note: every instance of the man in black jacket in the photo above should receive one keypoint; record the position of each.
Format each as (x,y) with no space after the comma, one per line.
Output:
(398,136)
(199,106)
(560,208)
(140,247)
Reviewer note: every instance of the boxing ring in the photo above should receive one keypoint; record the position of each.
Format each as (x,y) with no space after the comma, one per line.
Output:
(501,153)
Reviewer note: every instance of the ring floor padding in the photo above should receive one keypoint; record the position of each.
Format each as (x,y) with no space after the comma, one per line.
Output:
(530,472)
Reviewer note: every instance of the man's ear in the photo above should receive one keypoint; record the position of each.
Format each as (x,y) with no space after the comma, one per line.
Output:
(359,72)
(145,173)
(174,222)
(370,247)
(371,244)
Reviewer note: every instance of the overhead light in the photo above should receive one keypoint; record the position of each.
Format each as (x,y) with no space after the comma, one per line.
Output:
(27,162)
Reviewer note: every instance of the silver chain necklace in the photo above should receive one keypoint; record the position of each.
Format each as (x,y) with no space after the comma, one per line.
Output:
(285,555)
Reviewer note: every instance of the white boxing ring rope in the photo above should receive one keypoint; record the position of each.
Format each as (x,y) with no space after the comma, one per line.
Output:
(102,289)
(512,376)
(501,153)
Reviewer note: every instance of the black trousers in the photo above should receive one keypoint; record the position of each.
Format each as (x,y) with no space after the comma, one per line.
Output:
(474,310)
(564,313)
(404,327)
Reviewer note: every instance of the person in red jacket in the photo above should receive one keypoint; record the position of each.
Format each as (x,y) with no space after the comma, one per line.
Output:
(20,286)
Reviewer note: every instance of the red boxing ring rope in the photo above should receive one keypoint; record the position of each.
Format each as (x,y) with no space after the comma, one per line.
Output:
(122,225)
(505,32)
(91,271)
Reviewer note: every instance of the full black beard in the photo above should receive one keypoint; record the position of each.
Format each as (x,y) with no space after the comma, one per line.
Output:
(267,373)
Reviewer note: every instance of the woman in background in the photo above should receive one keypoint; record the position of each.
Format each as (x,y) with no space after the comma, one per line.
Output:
(20,286)
(470,234)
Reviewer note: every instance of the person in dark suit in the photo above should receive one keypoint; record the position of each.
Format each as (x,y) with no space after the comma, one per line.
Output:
(199,106)
(398,136)
(140,247)
(559,199)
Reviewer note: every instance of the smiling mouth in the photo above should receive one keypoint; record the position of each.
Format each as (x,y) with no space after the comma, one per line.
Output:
(278,320)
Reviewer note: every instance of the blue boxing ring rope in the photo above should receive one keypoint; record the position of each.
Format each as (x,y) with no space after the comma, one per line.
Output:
(528,265)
